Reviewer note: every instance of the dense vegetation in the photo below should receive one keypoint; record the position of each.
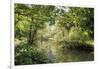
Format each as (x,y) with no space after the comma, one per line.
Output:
(49,34)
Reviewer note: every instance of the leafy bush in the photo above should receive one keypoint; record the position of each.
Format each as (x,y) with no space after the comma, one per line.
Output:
(25,54)
(78,34)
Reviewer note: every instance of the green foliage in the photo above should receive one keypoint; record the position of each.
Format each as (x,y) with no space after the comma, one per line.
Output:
(59,28)
(78,35)
(82,18)
(24,54)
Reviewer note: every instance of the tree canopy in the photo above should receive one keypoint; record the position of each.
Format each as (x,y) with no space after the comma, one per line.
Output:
(43,29)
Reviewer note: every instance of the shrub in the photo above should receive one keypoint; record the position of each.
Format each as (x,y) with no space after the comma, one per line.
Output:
(25,54)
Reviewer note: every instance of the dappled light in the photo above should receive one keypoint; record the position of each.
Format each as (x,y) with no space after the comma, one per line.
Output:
(53,34)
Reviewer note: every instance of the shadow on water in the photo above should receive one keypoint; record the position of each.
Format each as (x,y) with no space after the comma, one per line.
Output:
(74,54)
